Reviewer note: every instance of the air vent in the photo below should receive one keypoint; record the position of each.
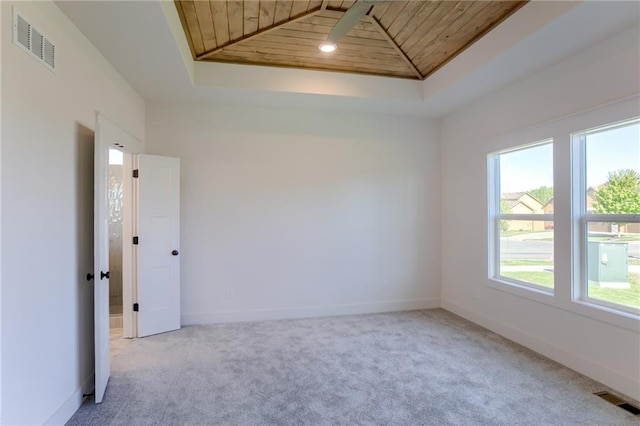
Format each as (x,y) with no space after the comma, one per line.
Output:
(49,55)
(615,400)
(22,32)
(33,41)
(37,43)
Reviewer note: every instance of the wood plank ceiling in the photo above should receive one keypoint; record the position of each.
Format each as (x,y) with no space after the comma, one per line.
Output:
(407,39)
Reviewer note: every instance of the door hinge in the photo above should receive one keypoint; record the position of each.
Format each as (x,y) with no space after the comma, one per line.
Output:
(136,307)
(136,173)
(135,241)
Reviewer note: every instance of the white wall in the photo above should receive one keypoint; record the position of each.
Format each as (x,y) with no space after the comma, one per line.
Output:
(291,213)
(47,213)
(587,341)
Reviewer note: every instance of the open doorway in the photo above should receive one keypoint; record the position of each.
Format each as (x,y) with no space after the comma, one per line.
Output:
(108,135)
(115,192)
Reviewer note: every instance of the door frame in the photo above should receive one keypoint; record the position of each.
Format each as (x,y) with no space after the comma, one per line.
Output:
(129,255)
(129,145)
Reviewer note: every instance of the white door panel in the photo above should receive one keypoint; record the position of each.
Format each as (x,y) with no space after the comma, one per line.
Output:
(159,244)
(101,259)
(107,135)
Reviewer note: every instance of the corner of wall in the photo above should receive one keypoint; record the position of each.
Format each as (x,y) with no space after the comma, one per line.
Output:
(173,20)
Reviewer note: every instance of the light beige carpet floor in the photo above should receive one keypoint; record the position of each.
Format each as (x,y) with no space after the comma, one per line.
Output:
(408,368)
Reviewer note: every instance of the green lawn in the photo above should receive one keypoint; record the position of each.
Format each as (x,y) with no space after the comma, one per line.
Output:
(622,296)
(542,278)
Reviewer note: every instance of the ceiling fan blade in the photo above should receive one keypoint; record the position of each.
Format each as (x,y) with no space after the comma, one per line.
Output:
(350,18)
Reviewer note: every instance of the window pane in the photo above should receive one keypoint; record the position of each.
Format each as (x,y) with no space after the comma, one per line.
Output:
(613,263)
(526,180)
(613,170)
(526,251)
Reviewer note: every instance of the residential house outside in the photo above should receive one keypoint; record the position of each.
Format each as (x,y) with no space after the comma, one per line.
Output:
(522,203)
(548,209)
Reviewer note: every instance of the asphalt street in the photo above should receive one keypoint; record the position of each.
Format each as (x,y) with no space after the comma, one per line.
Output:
(535,247)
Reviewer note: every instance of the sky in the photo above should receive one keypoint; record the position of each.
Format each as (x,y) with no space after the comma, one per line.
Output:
(607,150)
(612,150)
(115,157)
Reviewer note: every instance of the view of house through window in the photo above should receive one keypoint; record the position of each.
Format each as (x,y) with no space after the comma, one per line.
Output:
(524,220)
(611,214)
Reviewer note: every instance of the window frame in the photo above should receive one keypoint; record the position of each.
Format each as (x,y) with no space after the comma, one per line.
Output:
(580,282)
(495,215)
(566,223)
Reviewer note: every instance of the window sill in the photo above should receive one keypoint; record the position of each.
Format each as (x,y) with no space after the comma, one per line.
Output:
(518,288)
(585,309)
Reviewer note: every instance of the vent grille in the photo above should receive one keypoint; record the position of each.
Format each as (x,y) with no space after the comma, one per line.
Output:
(23,33)
(37,42)
(33,42)
(49,54)
(615,400)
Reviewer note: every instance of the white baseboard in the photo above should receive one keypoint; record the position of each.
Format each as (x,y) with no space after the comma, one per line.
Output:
(626,385)
(307,312)
(71,405)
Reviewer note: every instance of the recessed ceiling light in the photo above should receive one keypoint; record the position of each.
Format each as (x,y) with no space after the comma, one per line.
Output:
(328,47)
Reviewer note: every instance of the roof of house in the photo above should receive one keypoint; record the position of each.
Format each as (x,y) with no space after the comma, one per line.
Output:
(525,198)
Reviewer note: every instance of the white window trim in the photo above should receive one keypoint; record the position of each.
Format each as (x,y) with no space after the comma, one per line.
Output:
(567,223)
(496,216)
(580,292)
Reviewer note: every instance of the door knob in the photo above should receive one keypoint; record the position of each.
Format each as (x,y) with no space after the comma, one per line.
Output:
(175,252)
(104,275)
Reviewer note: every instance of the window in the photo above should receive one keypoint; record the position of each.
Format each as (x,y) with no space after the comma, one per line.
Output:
(609,212)
(521,207)
(564,213)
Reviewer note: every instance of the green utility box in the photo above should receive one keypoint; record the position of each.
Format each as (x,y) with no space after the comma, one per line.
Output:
(607,264)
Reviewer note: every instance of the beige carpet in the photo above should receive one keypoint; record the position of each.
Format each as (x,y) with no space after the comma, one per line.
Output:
(408,368)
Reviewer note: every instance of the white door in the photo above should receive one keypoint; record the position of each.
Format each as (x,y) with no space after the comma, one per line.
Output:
(101,259)
(158,244)
(107,135)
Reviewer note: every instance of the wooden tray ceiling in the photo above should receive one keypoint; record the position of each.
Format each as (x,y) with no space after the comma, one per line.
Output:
(409,39)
